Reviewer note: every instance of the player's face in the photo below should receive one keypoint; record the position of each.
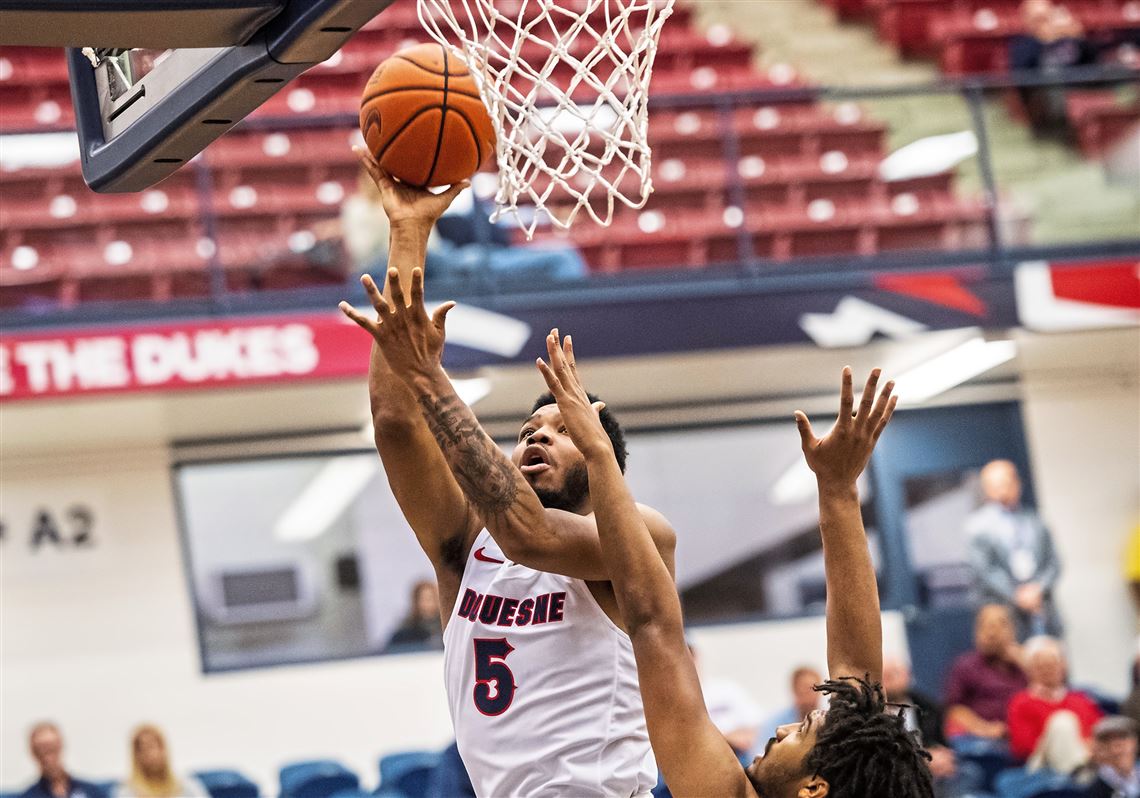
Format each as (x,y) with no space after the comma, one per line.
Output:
(780,771)
(550,462)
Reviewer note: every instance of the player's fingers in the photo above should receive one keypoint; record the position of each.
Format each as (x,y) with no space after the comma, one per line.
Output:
(357,316)
(551,379)
(454,191)
(398,300)
(807,437)
(568,351)
(439,317)
(868,400)
(554,352)
(598,407)
(846,397)
(369,163)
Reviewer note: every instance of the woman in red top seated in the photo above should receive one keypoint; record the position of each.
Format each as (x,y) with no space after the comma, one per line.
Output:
(1049,724)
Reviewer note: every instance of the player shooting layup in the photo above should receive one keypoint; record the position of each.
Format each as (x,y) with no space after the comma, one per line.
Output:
(853,750)
(540,673)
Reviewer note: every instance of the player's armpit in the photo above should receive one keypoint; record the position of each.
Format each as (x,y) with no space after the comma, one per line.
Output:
(567,543)
(693,755)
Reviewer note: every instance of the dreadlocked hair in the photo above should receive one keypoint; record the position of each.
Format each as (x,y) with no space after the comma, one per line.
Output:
(863,748)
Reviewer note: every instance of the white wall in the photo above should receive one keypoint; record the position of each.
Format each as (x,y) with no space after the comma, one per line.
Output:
(1081,405)
(101,640)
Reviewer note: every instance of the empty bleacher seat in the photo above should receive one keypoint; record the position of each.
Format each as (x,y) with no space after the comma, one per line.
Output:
(407,774)
(316,779)
(227,784)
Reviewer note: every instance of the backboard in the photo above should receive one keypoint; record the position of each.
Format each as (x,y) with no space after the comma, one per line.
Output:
(154,82)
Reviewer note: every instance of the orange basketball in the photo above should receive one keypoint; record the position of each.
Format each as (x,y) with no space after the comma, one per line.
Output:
(423,120)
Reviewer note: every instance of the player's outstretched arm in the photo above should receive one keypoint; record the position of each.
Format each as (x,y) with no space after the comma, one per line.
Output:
(432,503)
(547,540)
(854,626)
(690,751)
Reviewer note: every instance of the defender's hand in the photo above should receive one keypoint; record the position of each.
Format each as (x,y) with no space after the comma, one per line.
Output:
(412,342)
(578,414)
(839,457)
(406,205)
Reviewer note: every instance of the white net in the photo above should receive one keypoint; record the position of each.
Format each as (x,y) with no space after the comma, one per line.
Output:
(566,83)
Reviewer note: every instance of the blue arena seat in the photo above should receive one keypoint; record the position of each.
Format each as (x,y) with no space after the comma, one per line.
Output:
(406,774)
(316,779)
(1020,783)
(227,784)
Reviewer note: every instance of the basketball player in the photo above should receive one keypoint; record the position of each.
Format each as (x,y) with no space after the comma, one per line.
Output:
(852,750)
(540,674)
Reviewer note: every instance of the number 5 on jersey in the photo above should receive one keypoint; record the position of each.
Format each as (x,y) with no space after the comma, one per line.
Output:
(494,682)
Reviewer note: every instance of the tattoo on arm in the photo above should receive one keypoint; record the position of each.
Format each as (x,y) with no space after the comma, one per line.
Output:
(488,479)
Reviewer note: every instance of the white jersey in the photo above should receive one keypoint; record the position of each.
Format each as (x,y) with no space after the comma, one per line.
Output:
(542,686)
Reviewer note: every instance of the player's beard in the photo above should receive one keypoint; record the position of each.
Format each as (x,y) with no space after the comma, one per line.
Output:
(575,488)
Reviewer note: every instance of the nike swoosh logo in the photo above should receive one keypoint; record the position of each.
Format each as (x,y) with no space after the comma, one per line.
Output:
(479,555)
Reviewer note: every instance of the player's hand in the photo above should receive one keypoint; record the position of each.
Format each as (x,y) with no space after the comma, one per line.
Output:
(412,342)
(407,205)
(839,457)
(578,414)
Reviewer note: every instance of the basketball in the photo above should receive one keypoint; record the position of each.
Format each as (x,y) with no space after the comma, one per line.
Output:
(423,120)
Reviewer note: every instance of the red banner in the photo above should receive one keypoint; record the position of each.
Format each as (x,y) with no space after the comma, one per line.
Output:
(181,356)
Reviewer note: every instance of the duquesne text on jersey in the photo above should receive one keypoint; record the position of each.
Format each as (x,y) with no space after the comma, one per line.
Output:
(492,610)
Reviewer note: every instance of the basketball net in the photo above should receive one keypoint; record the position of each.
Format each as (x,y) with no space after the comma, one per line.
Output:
(566,83)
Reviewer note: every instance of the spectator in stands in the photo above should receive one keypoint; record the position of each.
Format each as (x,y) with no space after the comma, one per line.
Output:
(46,744)
(470,244)
(1115,771)
(422,624)
(1012,553)
(983,681)
(804,700)
(152,775)
(1052,40)
(1049,724)
(731,710)
(1131,705)
(925,717)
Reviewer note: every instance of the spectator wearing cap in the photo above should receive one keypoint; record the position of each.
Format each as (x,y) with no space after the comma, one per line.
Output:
(46,744)
(1049,724)
(1116,771)
(1012,553)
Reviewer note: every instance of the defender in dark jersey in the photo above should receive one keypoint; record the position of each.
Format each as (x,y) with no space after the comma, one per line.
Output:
(856,749)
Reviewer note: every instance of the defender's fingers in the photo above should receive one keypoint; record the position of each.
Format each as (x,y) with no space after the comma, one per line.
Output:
(357,316)
(886,416)
(881,403)
(846,397)
(417,287)
(807,437)
(375,295)
(868,400)
(439,317)
(398,300)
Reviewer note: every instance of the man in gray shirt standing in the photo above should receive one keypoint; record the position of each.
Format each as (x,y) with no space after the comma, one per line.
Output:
(1012,553)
